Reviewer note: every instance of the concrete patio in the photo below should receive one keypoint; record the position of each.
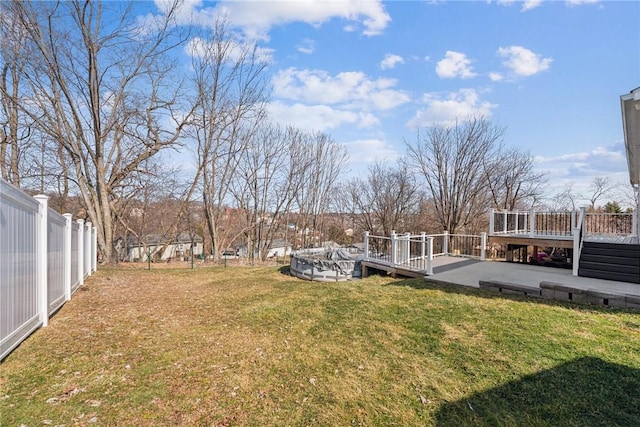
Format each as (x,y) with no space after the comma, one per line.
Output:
(469,272)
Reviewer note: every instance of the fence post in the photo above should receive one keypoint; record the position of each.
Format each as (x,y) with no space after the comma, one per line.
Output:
(445,242)
(532,222)
(94,249)
(42,260)
(87,248)
(80,251)
(366,244)
(393,247)
(429,255)
(67,256)
(423,241)
(515,226)
(491,222)
(483,246)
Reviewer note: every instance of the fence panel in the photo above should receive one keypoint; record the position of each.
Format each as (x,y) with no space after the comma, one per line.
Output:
(36,267)
(55,260)
(19,314)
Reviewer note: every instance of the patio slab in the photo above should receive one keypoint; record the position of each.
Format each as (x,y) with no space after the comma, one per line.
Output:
(463,272)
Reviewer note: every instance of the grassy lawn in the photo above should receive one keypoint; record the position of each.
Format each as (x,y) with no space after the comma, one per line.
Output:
(253,346)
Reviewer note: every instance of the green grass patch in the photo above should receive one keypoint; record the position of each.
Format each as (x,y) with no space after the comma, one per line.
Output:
(253,346)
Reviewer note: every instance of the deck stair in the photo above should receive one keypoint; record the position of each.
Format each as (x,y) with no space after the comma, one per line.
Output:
(610,261)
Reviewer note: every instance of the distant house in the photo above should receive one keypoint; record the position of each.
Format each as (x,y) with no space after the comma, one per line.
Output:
(178,249)
(278,248)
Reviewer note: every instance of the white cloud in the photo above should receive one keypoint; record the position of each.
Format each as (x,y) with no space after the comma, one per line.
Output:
(495,76)
(306,46)
(234,50)
(599,161)
(455,64)
(350,90)
(390,61)
(581,2)
(454,106)
(366,151)
(526,4)
(318,117)
(257,18)
(530,4)
(523,62)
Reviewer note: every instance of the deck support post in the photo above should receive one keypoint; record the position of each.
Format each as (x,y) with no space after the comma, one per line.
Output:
(445,242)
(423,249)
(366,245)
(532,223)
(483,246)
(429,255)
(491,222)
(504,221)
(394,256)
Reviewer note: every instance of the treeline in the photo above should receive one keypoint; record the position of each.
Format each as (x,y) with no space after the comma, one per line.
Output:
(95,110)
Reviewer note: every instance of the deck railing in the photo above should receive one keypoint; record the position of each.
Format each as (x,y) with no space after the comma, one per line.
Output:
(547,223)
(416,251)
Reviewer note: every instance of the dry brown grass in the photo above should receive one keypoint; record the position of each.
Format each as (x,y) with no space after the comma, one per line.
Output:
(253,346)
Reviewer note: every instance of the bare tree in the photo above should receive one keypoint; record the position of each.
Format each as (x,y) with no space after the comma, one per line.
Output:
(269,174)
(230,92)
(512,180)
(317,192)
(450,161)
(14,132)
(600,186)
(385,200)
(564,200)
(104,91)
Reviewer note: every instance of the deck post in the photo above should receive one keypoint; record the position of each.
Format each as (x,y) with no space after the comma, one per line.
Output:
(515,227)
(393,247)
(366,244)
(429,255)
(575,263)
(491,222)
(532,222)
(406,250)
(483,246)
(504,220)
(423,241)
(635,221)
(445,242)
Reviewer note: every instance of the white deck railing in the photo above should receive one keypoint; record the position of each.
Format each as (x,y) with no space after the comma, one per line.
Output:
(561,224)
(416,251)
(44,258)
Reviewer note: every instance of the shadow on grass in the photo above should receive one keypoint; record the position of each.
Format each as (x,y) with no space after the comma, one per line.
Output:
(585,391)
(285,270)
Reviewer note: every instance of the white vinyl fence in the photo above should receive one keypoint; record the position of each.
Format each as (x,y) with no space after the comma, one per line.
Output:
(44,258)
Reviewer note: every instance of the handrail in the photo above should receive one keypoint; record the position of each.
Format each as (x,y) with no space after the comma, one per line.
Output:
(578,233)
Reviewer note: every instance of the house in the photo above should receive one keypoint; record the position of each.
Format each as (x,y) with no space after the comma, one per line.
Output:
(178,248)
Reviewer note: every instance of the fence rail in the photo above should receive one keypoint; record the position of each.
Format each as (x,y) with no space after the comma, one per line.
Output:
(43,260)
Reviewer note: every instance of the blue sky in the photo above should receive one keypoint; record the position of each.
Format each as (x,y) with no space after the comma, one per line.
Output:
(372,73)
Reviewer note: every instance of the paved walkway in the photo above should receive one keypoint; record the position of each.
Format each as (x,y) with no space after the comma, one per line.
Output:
(468,272)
